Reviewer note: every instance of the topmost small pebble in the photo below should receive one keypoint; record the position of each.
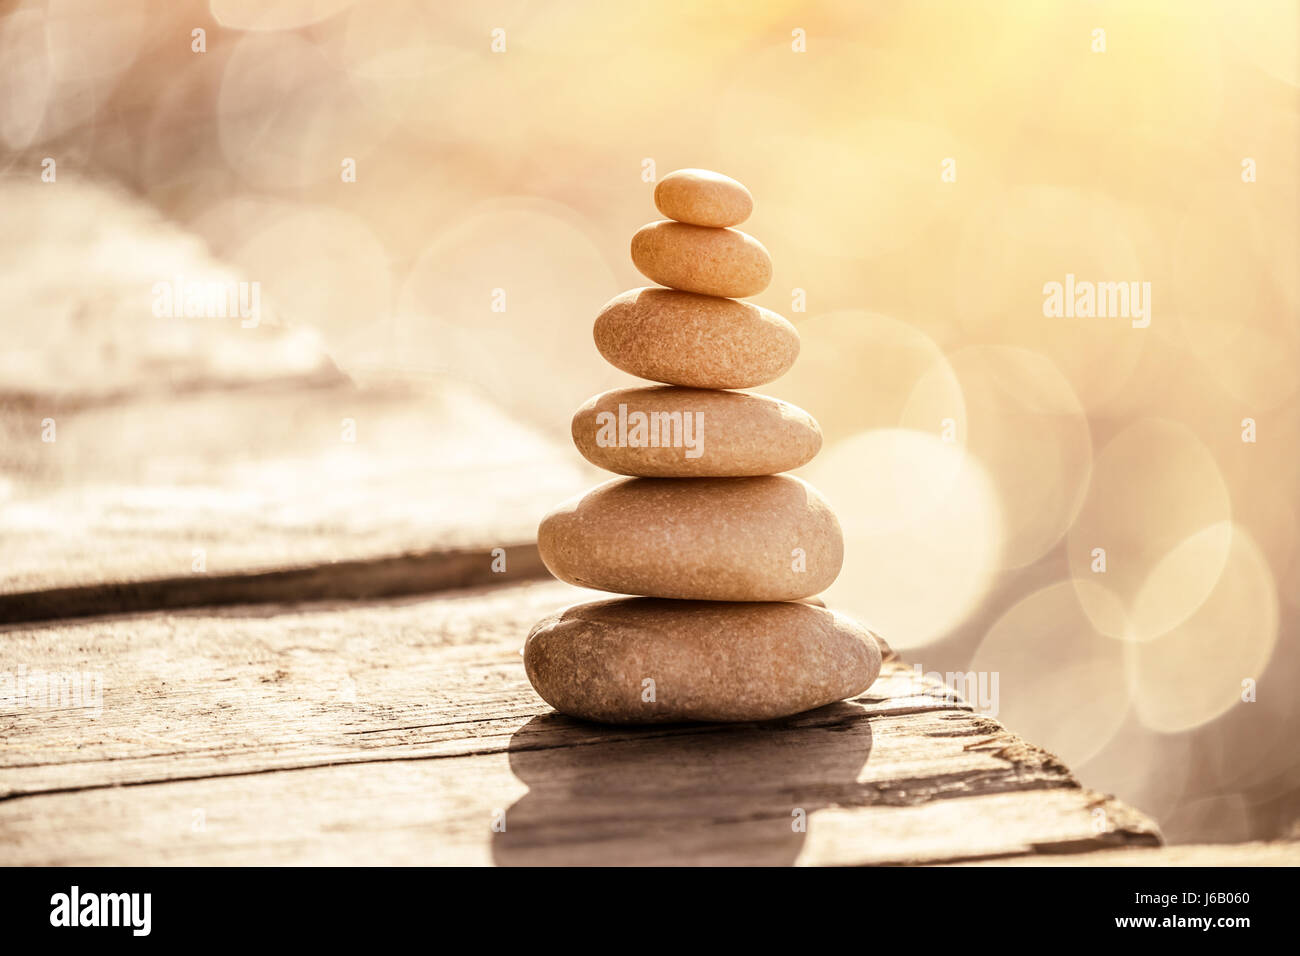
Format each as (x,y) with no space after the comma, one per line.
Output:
(703,198)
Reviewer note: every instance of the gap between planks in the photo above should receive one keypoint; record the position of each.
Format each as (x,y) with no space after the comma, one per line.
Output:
(426,572)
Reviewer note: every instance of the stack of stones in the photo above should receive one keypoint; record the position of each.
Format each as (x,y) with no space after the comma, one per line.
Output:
(724,548)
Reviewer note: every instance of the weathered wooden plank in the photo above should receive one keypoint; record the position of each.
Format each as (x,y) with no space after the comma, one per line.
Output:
(391,732)
(249,689)
(418,573)
(584,811)
(221,484)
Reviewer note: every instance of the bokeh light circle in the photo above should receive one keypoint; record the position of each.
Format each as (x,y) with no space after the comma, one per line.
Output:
(523,280)
(1018,242)
(922,531)
(1024,424)
(1060,681)
(289,117)
(856,370)
(1194,672)
(1153,485)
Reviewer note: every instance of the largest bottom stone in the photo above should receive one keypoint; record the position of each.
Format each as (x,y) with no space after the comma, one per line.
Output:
(649,660)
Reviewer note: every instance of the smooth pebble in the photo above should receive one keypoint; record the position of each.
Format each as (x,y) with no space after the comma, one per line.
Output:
(771,538)
(667,431)
(681,338)
(646,661)
(724,262)
(703,198)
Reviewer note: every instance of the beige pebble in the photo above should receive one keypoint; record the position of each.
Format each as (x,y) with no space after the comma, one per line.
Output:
(699,340)
(724,262)
(666,431)
(644,661)
(772,538)
(703,198)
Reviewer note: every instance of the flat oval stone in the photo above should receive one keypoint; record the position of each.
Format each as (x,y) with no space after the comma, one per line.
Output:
(682,338)
(648,661)
(724,262)
(772,538)
(666,431)
(703,198)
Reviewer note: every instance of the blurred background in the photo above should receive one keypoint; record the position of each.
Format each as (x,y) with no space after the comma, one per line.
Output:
(436,199)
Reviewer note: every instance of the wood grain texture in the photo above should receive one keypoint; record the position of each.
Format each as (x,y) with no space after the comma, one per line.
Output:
(261,479)
(401,731)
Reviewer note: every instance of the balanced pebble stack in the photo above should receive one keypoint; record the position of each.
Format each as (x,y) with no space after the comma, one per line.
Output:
(723,547)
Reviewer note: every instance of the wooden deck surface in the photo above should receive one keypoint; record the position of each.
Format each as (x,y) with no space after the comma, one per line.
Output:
(405,732)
